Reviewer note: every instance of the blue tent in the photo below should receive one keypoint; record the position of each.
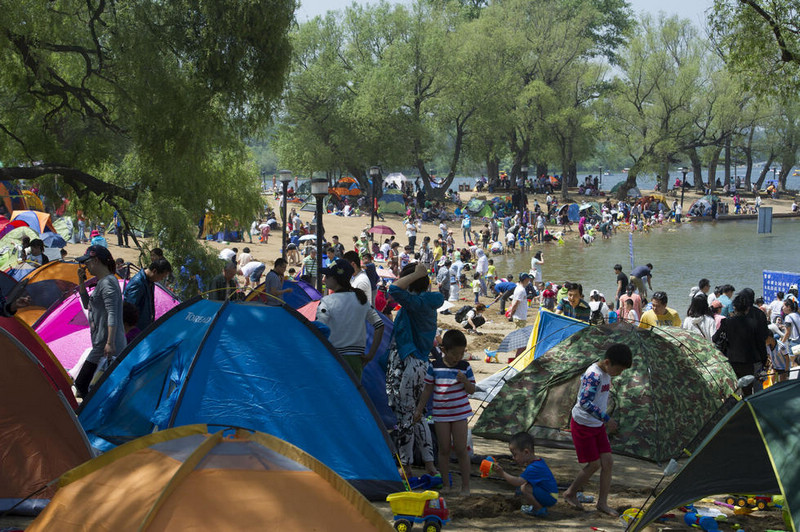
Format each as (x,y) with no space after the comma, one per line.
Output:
(244,365)
(574,212)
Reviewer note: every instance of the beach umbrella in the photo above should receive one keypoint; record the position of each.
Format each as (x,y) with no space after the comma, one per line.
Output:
(515,339)
(381,230)
(53,240)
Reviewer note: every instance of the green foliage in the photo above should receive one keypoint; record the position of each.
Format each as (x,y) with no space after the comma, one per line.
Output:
(760,42)
(139,105)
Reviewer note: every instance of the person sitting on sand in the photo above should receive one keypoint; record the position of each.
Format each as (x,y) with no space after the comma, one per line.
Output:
(591,424)
(536,484)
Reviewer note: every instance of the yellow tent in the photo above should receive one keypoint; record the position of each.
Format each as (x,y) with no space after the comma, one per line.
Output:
(186,479)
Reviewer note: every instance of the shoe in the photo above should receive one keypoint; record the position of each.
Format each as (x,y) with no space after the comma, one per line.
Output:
(527,509)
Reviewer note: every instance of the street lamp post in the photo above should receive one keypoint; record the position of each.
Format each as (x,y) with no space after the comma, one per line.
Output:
(374,175)
(319,188)
(683,183)
(285,178)
(601,175)
(524,170)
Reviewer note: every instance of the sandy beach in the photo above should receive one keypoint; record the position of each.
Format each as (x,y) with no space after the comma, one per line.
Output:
(492,505)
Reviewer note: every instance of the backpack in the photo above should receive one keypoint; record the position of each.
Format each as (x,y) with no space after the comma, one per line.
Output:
(596,317)
(461,314)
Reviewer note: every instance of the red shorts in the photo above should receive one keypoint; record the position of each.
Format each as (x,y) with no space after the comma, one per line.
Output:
(590,442)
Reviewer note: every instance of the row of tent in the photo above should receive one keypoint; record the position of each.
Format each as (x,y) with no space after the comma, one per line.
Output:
(205,362)
(33,224)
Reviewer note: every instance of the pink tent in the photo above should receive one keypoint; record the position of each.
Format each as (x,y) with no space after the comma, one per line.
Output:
(65,327)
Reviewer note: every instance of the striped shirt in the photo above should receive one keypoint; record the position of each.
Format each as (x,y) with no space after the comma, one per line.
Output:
(450,400)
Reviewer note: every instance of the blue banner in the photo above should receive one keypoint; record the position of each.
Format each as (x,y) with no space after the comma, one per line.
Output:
(778,282)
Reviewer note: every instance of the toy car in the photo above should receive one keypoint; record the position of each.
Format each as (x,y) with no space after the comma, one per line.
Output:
(762,502)
(410,507)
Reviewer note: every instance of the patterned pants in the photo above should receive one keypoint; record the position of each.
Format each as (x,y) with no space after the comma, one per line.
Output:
(404,384)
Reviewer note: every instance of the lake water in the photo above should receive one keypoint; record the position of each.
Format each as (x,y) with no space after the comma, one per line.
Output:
(723,252)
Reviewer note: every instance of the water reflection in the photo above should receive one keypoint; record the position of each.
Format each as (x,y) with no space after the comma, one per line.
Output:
(724,252)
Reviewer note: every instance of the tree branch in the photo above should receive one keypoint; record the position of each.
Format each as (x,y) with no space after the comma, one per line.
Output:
(80,181)
(787,56)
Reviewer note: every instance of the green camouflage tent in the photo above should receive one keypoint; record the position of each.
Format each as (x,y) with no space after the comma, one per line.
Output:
(752,450)
(677,383)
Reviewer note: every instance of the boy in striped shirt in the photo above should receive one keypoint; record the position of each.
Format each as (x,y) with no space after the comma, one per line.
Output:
(450,380)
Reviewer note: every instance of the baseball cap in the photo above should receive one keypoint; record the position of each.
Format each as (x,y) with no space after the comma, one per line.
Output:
(716,304)
(100,252)
(340,269)
(524,276)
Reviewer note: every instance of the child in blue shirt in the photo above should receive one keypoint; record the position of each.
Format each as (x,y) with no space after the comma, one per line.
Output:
(536,484)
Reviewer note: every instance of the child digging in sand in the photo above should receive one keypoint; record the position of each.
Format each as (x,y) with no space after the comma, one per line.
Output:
(590,422)
(536,484)
(450,380)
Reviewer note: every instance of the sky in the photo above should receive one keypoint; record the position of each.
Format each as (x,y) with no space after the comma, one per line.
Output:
(691,9)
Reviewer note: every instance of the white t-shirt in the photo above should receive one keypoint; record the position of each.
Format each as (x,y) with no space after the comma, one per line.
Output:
(227,254)
(521,312)
(250,267)
(597,401)
(361,280)
(775,309)
(632,317)
(509,237)
(244,258)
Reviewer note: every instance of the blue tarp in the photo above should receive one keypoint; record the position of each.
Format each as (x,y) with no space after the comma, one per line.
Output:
(244,365)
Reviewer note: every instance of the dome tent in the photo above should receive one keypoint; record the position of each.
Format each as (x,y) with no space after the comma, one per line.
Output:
(40,438)
(230,364)
(187,479)
(539,399)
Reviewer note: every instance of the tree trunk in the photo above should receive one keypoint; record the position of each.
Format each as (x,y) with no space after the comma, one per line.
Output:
(764,171)
(541,169)
(712,169)
(630,182)
(493,169)
(748,154)
(697,168)
(728,161)
(664,176)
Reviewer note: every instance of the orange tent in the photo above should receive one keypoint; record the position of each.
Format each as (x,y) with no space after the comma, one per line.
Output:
(48,363)
(346,186)
(46,285)
(186,479)
(40,437)
(31,217)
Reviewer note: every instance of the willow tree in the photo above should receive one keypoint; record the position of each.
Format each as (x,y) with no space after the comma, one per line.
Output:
(652,109)
(141,105)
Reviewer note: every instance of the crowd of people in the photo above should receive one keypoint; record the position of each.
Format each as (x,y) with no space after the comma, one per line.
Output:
(425,363)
